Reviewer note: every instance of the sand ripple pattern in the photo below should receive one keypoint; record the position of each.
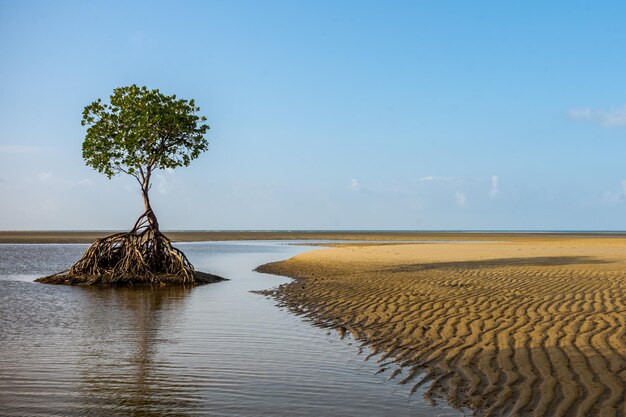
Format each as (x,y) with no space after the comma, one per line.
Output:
(533,336)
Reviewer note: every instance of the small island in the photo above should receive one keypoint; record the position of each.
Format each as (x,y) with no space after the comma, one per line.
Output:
(138,132)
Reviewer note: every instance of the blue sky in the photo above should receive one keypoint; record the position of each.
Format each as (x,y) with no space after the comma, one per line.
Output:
(326,115)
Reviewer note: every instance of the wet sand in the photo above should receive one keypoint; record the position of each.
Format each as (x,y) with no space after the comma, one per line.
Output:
(529,325)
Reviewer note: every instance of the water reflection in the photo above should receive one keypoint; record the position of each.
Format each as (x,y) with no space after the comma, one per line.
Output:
(120,367)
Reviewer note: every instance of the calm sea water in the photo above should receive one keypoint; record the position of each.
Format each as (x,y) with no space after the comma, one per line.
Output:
(214,350)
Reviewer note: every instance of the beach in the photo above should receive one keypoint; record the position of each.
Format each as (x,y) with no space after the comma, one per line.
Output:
(503,325)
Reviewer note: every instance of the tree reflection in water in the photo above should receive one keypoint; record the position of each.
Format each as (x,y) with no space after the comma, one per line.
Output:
(121,370)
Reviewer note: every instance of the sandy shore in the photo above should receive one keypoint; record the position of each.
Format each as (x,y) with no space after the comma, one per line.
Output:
(52,236)
(532,325)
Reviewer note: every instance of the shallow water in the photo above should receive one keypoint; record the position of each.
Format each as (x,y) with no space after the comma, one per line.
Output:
(212,350)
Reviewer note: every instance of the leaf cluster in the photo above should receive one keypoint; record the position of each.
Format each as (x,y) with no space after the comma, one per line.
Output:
(141,130)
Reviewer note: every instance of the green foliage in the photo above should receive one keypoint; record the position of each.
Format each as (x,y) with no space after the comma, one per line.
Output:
(141,130)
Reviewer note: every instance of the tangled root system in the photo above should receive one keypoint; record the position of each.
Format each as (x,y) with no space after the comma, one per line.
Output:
(142,256)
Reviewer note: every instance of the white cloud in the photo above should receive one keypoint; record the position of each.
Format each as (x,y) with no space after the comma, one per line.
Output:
(48,178)
(45,177)
(354,185)
(18,149)
(615,197)
(493,192)
(615,117)
(460,198)
(435,178)
(581,113)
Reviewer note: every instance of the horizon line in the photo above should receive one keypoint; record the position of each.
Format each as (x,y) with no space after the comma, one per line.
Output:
(329,230)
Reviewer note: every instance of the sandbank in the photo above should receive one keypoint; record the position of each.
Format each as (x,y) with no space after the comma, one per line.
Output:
(525,325)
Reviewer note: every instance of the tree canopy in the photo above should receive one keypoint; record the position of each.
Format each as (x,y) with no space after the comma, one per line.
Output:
(141,130)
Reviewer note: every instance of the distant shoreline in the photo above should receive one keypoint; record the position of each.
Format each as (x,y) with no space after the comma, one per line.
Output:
(53,236)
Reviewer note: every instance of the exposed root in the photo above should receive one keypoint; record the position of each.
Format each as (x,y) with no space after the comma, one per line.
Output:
(142,256)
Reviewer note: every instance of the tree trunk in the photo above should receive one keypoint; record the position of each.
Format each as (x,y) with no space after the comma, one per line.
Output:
(152,220)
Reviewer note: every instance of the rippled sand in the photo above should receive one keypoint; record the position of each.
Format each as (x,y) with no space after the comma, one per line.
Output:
(528,326)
